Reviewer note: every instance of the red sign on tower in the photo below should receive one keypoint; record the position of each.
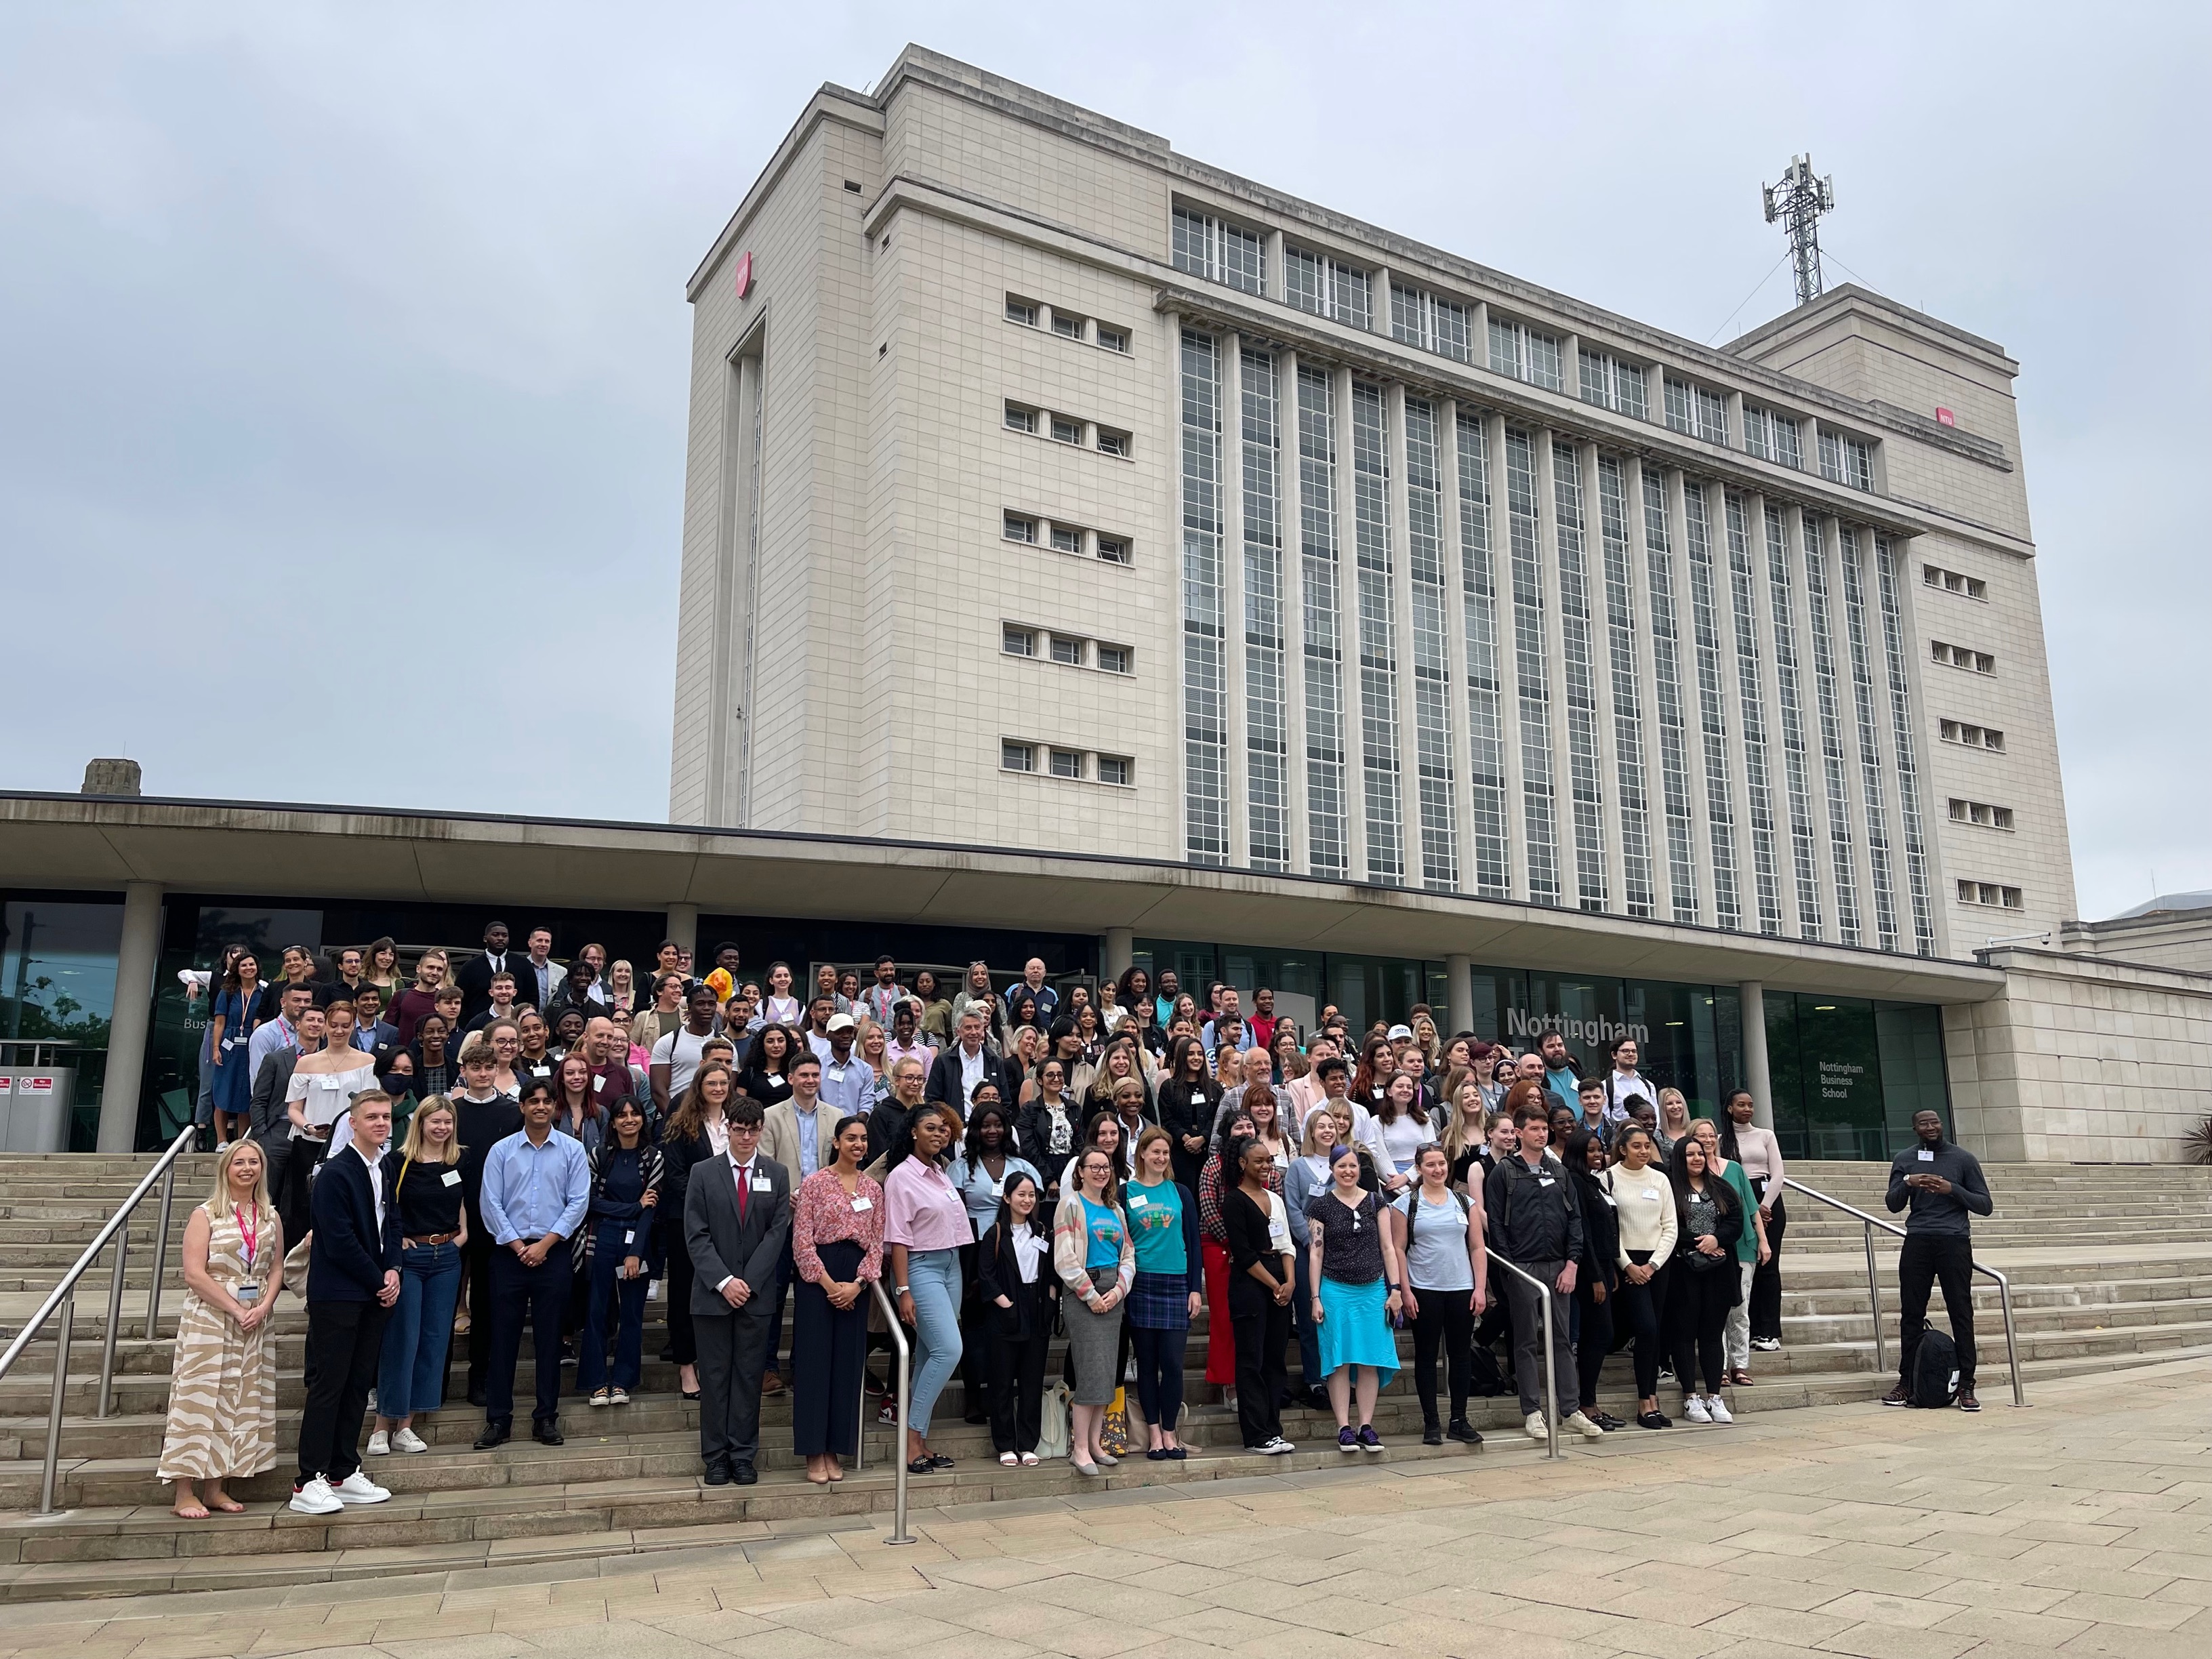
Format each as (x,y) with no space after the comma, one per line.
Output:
(744,274)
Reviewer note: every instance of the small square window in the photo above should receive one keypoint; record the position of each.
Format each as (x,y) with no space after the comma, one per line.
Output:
(1970,892)
(1069,328)
(1017,757)
(1115,550)
(1113,659)
(1977,588)
(1019,419)
(1068,651)
(2000,817)
(1113,769)
(1950,730)
(1993,740)
(2011,898)
(1064,431)
(1021,310)
(1985,663)
(1068,763)
(1067,539)
(1113,443)
(1958,810)
(1018,642)
(1020,527)
(1114,339)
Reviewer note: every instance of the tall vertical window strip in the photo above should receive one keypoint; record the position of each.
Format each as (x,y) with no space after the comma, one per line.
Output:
(1424,320)
(1326,287)
(1217,250)
(1320,604)
(1612,384)
(1712,703)
(1667,698)
(1486,723)
(1535,708)
(1638,895)
(1378,657)
(1205,716)
(1767,881)
(1869,727)
(1432,743)
(1584,781)
(1526,353)
(1835,770)
(1266,752)
(1796,774)
(1908,773)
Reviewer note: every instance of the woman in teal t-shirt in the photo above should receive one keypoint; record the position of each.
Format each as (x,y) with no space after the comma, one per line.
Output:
(1168,1290)
(1096,1260)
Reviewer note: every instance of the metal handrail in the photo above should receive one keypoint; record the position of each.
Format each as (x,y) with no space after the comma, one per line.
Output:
(1873,1286)
(1544,1294)
(899,1534)
(64,1298)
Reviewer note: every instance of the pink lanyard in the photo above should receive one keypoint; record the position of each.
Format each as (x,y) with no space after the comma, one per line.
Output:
(250,1236)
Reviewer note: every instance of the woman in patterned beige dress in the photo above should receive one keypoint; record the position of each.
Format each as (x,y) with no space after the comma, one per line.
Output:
(223,1381)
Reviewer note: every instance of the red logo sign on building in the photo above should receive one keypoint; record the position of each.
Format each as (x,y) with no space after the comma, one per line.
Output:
(744,274)
(1945,417)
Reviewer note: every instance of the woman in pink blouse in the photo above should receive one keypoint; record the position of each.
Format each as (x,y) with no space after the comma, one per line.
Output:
(925,1223)
(837,1242)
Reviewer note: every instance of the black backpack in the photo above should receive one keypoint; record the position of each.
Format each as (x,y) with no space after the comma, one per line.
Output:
(1934,1369)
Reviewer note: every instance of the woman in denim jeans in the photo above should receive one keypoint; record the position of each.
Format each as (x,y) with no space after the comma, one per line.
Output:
(616,1243)
(411,1374)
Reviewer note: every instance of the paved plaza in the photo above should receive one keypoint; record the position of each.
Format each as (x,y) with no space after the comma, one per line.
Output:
(2071,1527)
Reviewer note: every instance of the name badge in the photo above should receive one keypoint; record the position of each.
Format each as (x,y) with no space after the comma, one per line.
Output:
(1927,1157)
(1543,1181)
(597,1083)
(1137,1200)
(763,1184)
(998,1189)
(863,1202)
(451,1178)
(247,1295)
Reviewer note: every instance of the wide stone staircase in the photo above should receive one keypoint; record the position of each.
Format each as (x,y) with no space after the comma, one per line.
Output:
(2110,1268)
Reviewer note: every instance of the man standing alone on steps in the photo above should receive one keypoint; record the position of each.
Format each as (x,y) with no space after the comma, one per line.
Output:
(1943,1184)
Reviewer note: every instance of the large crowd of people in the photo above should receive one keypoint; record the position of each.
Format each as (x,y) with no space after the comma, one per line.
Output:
(444,1162)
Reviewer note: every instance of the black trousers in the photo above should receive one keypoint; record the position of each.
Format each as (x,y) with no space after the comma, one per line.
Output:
(1261,1333)
(1159,1373)
(827,1345)
(1017,1387)
(1765,1310)
(682,1341)
(539,1298)
(1496,1322)
(476,1261)
(345,1341)
(302,1157)
(1926,1260)
(1698,1304)
(1446,1322)
(1640,1311)
(732,1359)
(1596,1340)
(976,1338)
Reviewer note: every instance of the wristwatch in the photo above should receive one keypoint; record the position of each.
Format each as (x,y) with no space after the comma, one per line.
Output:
(901,1291)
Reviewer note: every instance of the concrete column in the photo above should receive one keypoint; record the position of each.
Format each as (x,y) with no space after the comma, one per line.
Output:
(1459,979)
(684,928)
(1117,950)
(135,962)
(1752,994)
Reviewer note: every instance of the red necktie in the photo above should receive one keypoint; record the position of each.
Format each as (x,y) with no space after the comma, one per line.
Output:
(744,1190)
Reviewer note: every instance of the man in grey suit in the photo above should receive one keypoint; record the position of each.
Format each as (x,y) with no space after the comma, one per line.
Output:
(737,1220)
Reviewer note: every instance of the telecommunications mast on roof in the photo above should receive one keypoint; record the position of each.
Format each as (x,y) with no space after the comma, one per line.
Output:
(1798,202)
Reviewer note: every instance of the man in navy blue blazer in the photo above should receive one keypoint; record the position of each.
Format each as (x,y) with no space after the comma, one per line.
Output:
(353,1282)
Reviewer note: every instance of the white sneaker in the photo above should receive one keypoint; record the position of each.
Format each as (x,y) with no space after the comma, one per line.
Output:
(379,1444)
(1536,1429)
(1582,1426)
(1693,1408)
(1718,1412)
(315,1497)
(358,1488)
(1278,1447)
(407,1440)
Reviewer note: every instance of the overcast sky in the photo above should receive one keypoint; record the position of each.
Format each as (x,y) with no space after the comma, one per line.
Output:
(343,348)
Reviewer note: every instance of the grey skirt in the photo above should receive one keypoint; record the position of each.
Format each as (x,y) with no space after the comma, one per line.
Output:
(1094,1342)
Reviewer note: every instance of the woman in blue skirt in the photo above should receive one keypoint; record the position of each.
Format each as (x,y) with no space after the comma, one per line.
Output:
(1357,1281)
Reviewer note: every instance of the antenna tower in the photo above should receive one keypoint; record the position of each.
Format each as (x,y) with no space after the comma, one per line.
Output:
(1798,202)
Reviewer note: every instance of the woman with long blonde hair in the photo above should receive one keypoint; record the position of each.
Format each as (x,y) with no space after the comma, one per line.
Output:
(223,1381)
(434,1232)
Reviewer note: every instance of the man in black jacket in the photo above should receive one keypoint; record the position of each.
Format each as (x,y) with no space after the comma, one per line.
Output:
(353,1283)
(1943,1185)
(1536,1223)
(474,978)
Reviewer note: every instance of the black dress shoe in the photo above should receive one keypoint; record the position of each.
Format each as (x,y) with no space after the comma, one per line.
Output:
(718,1474)
(547,1434)
(745,1475)
(494,1434)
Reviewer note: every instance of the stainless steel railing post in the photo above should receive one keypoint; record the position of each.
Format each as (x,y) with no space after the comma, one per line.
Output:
(1874,1301)
(54,1411)
(1551,1373)
(114,1324)
(2012,1337)
(161,1250)
(899,1534)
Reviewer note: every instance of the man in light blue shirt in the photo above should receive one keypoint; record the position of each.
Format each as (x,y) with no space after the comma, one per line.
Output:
(281,1032)
(849,1083)
(535,1187)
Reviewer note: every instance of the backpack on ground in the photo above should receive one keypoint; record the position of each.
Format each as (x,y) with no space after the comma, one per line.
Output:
(1934,1369)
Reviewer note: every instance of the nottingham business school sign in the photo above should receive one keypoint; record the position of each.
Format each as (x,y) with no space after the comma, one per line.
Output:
(1597,1033)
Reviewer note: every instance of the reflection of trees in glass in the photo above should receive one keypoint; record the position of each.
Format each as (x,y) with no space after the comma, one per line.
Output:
(35,1007)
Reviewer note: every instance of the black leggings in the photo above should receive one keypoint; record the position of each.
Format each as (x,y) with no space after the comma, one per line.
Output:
(1596,1341)
(1639,1311)
(1447,1322)
(1159,1373)
(1697,1304)
(1765,1309)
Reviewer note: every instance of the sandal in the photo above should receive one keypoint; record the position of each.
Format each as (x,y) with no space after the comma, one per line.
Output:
(195,1513)
(1029,1460)
(921,1465)
(1008,1458)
